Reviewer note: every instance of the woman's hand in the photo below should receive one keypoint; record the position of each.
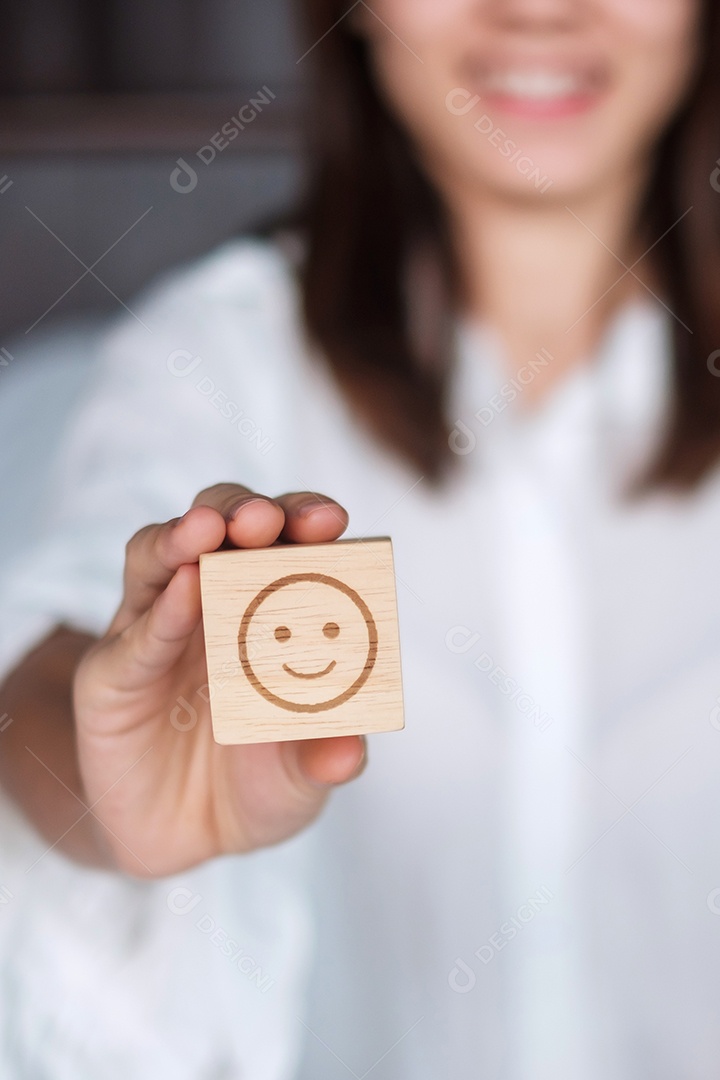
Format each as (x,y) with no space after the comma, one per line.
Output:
(166,795)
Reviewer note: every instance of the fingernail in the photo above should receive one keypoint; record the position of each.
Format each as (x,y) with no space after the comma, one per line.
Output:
(304,509)
(247,500)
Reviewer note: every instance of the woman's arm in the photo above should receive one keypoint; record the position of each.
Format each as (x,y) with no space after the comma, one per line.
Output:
(38,755)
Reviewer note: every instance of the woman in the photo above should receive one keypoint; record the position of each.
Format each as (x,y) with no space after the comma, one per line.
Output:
(492,323)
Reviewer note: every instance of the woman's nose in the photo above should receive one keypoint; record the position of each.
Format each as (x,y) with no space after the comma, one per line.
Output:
(538,15)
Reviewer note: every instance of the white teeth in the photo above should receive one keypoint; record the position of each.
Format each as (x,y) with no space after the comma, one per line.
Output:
(540,85)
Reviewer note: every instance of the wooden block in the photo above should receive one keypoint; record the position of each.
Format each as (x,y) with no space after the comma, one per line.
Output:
(302,641)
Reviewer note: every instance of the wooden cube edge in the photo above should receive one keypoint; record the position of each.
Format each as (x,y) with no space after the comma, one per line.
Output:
(240,594)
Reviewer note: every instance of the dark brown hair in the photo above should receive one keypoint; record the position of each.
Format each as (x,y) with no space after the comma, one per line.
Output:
(379,253)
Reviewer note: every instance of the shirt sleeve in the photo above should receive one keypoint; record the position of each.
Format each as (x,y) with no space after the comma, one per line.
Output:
(204,974)
(181,398)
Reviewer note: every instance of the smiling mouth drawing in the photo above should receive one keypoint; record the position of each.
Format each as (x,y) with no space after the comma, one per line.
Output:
(311,674)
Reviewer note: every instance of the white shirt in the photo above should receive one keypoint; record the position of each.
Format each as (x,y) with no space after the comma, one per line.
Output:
(525,882)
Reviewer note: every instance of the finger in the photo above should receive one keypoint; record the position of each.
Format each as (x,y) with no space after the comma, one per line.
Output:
(275,789)
(322,763)
(311,517)
(313,768)
(252,520)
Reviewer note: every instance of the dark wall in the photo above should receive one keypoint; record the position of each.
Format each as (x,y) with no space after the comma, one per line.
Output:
(120,45)
(86,165)
(89,203)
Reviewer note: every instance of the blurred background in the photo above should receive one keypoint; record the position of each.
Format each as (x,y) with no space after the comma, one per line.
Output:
(98,100)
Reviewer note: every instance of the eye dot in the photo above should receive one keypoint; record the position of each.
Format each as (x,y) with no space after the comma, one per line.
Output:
(331,629)
(282,633)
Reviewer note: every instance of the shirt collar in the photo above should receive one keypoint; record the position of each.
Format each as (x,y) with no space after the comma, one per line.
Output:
(611,408)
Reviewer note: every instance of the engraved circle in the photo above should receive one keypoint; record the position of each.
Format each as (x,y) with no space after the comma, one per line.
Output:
(310,578)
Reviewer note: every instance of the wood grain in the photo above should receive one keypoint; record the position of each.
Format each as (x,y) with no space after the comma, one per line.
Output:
(302,641)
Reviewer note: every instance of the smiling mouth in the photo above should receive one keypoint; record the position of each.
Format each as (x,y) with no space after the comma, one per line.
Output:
(537,81)
(538,85)
(310,674)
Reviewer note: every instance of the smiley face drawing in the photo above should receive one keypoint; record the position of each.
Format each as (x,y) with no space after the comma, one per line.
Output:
(307,642)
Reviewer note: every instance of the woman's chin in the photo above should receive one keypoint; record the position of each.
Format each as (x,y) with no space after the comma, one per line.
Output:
(542,176)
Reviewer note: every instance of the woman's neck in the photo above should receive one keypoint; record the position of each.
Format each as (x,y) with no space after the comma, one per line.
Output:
(549,275)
